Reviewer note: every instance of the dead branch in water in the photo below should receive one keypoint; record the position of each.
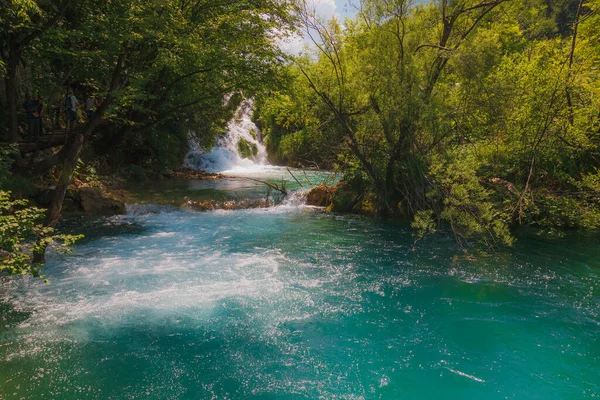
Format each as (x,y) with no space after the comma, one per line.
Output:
(307,178)
(273,186)
(296,179)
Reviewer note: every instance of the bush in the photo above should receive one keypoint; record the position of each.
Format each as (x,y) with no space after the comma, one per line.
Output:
(22,236)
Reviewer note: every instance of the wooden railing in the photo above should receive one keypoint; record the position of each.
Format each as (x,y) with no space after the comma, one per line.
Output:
(53,138)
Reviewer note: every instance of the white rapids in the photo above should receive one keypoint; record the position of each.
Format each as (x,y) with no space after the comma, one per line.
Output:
(224,157)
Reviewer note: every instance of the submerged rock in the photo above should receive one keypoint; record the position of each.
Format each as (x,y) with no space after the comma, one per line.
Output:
(210,205)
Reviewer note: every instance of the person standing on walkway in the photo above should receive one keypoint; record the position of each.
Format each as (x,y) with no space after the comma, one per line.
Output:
(71,104)
(40,110)
(90,107)
(32,110)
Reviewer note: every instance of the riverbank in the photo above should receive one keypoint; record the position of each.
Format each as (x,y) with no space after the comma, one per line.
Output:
(104,195)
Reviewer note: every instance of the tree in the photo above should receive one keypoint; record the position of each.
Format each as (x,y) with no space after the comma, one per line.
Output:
(152,63)
(463,114)
(22,23)
(23,236)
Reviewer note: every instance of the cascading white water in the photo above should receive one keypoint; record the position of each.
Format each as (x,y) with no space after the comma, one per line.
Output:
(224,157)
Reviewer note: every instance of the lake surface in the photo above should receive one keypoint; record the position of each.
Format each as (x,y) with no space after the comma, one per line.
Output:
(292,302)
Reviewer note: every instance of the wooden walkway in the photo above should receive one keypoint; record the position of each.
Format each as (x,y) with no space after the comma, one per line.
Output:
(54,138)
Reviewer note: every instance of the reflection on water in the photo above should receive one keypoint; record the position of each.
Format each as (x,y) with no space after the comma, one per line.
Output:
(293,302)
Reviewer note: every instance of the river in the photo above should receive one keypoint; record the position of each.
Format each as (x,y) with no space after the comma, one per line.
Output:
(293,302)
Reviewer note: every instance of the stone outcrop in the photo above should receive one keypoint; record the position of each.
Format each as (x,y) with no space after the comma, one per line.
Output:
(210,205)
(87,201)
(320,196)
(343,197)
(94,202)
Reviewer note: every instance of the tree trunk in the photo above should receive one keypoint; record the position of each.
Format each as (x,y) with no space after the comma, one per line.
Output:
(75,147)
(571,58)
(66,173)
(10,85)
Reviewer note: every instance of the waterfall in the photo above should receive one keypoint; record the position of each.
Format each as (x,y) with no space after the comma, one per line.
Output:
(242,134)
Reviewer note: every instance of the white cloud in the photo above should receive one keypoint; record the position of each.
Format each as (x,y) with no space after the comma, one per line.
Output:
(325,10)
(292,45)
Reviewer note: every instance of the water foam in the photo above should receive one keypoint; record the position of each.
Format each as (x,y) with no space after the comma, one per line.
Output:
(116,290)
(224,157)
(176,268)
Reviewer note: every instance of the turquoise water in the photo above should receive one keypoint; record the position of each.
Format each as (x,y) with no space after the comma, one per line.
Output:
(295,303)
(176,192)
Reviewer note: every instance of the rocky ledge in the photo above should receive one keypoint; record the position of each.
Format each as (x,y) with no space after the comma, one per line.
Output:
(320,196)
(86,200)
(343,197)
(210,205)
(192,174)
(93,201)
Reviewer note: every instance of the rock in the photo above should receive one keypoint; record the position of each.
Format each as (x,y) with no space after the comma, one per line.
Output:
(225,205)
(85,200)
(188,173)
(246,149)
(344,197)
(319,196)
(350,197)
(71,207)
(94,202)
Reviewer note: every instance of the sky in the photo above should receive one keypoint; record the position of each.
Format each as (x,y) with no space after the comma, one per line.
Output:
(327,9)
(344,9)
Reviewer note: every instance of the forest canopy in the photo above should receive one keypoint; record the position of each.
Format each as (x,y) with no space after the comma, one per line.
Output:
(143,75)
(478,115)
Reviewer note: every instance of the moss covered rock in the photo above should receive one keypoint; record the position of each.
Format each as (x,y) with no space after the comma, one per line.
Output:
(94,202)
(344,197)
(247,149)
(320,196)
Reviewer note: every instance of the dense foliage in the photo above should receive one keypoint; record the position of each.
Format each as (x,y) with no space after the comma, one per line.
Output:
(155,72)
(163,67)
(473,114)
(23,236)
(477,115)
(22,232)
